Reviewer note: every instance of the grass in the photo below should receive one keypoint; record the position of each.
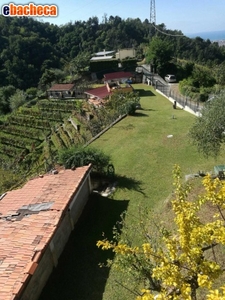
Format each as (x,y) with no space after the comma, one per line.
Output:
(143,157)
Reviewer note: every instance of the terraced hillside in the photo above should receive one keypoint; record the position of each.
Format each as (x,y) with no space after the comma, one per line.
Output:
(31,137)
(35,133)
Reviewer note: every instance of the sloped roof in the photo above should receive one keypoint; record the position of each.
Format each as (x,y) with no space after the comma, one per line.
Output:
(105,52)
(100,92)
(28,219)
(117,75)
(62,87)
(101,58)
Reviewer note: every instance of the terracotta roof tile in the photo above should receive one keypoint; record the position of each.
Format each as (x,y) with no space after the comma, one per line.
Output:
(99,92)
(30,268)
(117,75)
(62,87)
(26,232)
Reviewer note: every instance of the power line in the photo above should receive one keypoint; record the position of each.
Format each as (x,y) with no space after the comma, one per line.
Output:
(169,34)
(153,21)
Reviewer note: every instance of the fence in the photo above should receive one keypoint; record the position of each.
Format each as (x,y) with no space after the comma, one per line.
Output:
(105,129)
(184,101)
(156,81)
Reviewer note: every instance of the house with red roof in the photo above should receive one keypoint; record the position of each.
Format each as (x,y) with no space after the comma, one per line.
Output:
(62,90)
(117,82)
(35,223)
(120,77)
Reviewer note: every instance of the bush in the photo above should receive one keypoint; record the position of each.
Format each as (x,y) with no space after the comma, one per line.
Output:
(124,103)
(31,103)
(31,92)
(17,99)
(78,157)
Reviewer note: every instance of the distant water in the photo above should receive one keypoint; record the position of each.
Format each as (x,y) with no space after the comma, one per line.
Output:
(212,36)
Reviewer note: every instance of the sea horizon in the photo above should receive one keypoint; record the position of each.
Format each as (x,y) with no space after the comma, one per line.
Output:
(211,35)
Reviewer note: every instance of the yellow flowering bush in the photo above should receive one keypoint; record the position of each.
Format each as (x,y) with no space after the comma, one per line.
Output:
(177,266)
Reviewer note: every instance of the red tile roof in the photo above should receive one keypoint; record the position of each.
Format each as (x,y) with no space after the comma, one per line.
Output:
(100,92)
(117,75)
(28,219)
(62,87)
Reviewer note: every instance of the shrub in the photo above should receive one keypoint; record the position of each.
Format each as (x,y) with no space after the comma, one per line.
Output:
(77,157)
(124,103)
(31,92)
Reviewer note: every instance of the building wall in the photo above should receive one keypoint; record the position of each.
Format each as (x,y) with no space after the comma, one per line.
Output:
(39,278)
(63,94)
(123,90)
(77,93)
(77,205)
(55,248)
(124,53)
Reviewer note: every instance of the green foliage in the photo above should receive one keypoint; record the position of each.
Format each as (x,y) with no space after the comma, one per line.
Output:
(219,72)
(77,157)
(129,64)
(78,65)
(101,66)
(32,92)
(144,180)
(199,84)
(202,77)
(207,133)
(187,68)
(174,262)
(51,76)
(24,132)
(9,177)
(159,53)
(124,103)
(196,50)
(186,86)
(29,48)
(17,99)
(5,93)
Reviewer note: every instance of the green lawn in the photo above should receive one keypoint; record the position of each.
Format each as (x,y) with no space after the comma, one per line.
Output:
(143,157)
(141,150)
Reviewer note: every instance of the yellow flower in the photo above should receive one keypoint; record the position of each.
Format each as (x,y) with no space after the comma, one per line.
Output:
(203,281)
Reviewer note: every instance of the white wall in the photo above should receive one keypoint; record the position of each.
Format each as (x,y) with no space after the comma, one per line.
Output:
(123,53)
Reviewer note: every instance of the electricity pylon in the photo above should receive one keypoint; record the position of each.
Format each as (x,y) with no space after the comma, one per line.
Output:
(152,18)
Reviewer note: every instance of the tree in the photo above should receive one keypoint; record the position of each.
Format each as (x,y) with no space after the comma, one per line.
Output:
(31,92)
(202,77)
(50,76)
(5,93)
(181,263)
(159,53)
(208,131)
(220,73)
(77,66)
(29,47)
(17,99)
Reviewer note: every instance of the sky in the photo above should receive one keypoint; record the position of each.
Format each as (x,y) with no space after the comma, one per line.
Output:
(189,16)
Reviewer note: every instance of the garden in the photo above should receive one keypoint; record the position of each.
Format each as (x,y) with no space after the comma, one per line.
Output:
(143,153)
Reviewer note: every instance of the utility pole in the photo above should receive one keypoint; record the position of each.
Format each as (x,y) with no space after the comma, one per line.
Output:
(152,18)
